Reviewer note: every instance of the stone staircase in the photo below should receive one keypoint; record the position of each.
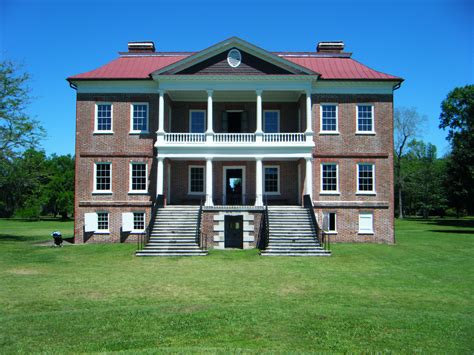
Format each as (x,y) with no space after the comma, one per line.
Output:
(174,233)
(291,233)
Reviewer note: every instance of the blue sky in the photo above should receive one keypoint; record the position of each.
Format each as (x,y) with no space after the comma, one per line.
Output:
(429,43)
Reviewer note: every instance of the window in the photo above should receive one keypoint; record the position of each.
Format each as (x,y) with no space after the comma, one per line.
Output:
(103,118)
(271,121)
(365,178)
(138,221)
(103,177)
(366,223)
(365,119)
(197,121)
(329,172)
(271,180)
(139,118)
(196,180)
(102,221)
(329,118)
(138,177)
(329,222)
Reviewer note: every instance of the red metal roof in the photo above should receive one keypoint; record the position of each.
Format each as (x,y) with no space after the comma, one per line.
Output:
(140,67)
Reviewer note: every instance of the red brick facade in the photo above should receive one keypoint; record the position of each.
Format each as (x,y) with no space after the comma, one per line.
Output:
(346,148)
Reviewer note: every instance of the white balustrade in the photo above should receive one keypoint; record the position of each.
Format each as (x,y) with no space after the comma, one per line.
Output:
(192,138)
(284,137)
(234,137)
(185,138)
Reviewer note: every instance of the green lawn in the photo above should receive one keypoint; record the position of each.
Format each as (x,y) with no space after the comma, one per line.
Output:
(414,296)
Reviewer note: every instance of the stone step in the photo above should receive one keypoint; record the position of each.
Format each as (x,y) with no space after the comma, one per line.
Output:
(295,254)
(161,253)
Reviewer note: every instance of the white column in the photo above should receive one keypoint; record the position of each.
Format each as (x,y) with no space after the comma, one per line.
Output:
(258,131)
(210,130)
(309,117)
(259,182)
(209,182)
(159,176)
(309,178)
(161,117)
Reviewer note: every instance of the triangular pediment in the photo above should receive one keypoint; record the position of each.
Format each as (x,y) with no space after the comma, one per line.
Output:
(234,57)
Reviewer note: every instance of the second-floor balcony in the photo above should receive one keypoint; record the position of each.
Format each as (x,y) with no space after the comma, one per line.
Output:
(233,138)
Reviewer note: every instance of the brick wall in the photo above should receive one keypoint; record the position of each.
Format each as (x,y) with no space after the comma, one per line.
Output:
(346,149)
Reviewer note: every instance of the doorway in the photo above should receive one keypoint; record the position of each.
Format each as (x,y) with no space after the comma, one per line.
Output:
(234,185)
(234,236)
(234,121)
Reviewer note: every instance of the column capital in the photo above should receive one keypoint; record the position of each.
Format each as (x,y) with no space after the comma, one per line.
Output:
(208,159)
(161,91)
(309,159)
(259,92)
(258,158)
(209,92)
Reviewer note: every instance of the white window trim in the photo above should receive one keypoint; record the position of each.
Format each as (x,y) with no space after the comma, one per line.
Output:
(144,222)
(96,121)
(94,190)
(189,180)
(132,131)
(372,132)
(321,118)
(130,190)
(373,192)
(335,223)
(190,120)
(272,193)
(278,120)
(103,231)
(371,214)
(324,192)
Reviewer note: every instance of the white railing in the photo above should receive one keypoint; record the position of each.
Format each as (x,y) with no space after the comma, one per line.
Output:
(284,137)
(193,138)
(234,137)
(185,138)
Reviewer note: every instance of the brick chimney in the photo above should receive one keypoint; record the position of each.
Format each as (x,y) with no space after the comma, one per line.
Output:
(330,47)
(141,47)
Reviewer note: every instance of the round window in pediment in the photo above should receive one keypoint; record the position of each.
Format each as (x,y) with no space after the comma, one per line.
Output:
(234,58)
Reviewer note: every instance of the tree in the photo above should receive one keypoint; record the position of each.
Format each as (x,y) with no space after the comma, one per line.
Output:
(407,122)
(59,191)
(424,173)
(18,131)
(457,115)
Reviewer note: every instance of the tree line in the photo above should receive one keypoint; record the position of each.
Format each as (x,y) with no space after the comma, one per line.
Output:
(33,184)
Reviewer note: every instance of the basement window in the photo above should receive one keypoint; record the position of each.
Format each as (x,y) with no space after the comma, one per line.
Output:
(102,222)
(329,222)
(138,221)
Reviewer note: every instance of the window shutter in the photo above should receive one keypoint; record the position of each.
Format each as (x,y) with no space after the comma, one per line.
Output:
(127,222)
(325,221)
(245,122)
(90,222)
(225,126)
(365,223)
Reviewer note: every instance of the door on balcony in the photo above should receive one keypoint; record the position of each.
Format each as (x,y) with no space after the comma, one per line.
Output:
(234,236)
(235,122)
(234,185)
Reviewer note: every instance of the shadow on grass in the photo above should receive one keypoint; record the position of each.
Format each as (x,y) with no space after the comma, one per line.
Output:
(454,231)
(446,222)
(13,238)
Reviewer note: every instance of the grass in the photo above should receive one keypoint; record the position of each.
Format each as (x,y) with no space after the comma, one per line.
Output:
(416,296)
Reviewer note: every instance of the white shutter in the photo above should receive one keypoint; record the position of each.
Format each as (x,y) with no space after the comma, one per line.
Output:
(127,222)
(325,221)
(366,223)
(90,222)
